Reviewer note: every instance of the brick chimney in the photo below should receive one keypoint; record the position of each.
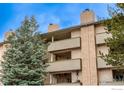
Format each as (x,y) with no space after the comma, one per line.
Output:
(53,27)
(87,16)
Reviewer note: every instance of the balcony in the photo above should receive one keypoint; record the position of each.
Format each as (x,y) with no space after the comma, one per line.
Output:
(100,38)
(102,64)
(64,44)
(65,65)
(112,83)
(67,84)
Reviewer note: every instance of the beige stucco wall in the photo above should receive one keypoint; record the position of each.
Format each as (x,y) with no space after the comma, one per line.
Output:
(100,38)
(101,34)
(80,76)
(104,71)
(74,76)
(99,29)
(102,64)
(103,49)
(75,33)
(76,53)
(105,75)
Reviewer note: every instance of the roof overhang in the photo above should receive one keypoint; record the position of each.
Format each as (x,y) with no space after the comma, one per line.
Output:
(65,30)
(62,31)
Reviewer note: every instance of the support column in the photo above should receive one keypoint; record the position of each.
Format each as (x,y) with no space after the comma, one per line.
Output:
(88,55)
(51,54)
(52,38)
(50,79)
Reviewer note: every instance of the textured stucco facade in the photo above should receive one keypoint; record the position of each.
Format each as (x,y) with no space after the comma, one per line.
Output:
(74,57)
(94,70)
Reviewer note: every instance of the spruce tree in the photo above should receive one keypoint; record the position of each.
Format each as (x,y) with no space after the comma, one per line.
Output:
(115,27)
(24,60)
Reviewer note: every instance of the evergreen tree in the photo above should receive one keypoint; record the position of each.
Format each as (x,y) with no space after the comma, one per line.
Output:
(24,60)
(115,27)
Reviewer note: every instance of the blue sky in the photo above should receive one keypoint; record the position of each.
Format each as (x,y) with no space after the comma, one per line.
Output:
(11,15)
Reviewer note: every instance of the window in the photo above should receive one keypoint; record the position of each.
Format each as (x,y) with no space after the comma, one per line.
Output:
(63,78)
(118,75)
(63,56)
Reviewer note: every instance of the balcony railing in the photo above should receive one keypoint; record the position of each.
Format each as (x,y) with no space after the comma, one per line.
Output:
(100,38)
(112,83)
(64,44)
(67,84)
(65,65)
(102,64)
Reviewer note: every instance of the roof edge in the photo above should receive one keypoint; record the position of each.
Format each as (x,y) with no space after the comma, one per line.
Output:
(71,28)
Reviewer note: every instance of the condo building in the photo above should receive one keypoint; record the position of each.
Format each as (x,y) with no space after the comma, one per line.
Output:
(74,57)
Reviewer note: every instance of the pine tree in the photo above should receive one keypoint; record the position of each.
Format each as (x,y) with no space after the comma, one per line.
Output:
(115,27)
(24,60)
